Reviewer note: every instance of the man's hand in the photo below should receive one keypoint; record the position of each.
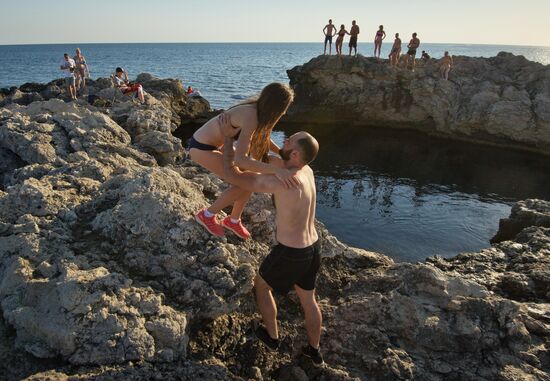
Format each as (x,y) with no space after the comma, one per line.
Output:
(288,177)
(226,127)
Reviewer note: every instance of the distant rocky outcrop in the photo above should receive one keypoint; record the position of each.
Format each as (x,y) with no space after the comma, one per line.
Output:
(105,275)
(151,127)
(501,100)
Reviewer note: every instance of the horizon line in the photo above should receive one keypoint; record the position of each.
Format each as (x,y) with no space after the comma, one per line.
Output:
(252,42)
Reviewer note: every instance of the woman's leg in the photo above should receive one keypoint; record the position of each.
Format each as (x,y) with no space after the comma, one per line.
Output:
(213,161)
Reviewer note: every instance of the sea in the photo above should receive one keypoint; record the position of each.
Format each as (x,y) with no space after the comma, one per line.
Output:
(431,198)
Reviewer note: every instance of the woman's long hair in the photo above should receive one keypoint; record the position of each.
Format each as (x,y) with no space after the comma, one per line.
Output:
(270,107)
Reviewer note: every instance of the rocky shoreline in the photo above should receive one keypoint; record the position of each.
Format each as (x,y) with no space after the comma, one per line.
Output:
(503,100)
(104,275)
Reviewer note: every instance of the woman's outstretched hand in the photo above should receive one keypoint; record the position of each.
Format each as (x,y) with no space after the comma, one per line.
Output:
(288,177)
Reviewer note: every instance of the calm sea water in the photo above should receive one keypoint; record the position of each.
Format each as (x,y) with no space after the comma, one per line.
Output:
(224,73)
(384,191)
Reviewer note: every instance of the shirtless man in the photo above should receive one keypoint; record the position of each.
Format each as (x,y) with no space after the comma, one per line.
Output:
(354,31)
(295,260)
(395,51)
(446,64)
(413,45)
(329,31)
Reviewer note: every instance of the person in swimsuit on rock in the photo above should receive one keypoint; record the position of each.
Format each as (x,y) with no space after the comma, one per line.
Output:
(445,66)
(254,120)
(340,39)
(354,31)
(378,38)
(411,53)
(294,262)
(329,31)
(82,71)
(395,51)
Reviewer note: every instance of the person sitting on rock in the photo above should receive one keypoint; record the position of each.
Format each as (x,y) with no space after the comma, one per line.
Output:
(425,56)
(68,66)
(445,66)
(254,119)
(295,261)
(191,92)
(122,82)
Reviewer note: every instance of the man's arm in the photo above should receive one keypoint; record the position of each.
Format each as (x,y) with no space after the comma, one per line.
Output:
(251,181)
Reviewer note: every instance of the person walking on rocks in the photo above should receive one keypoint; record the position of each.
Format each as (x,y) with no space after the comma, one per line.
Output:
(329,31)
(294,262)
(340,40)
(445,66)
(254,120)
(378,38)
(68,66)
(395,51)
(411,53)
(354,31)
(82,71)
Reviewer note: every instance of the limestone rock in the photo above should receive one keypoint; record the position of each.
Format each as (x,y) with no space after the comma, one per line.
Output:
(499,100)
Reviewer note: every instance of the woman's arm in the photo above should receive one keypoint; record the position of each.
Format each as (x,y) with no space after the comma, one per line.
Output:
(245,162)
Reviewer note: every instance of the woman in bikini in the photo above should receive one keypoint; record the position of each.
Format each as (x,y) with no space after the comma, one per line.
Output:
(378,38)
(445,66)
(254,120)
(395,51)
(340,39)
(81,70)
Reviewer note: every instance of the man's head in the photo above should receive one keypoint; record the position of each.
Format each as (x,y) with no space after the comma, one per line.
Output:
(414,35)
(330,21)
(66,56)
(353,22)
(299,149)
(397,35)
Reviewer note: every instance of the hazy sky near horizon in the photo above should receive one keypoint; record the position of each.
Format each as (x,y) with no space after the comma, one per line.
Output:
(509,22)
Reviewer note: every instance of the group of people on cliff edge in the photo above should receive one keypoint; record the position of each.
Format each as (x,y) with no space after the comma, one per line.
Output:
(395,58)
(294,261)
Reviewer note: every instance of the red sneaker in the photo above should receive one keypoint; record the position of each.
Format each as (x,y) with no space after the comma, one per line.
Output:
(211,224)
(236,228)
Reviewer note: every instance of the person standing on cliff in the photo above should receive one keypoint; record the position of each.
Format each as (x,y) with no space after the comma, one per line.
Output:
(446,64)
(294,262)
(395,51)
(354,31)
(68,66)
(413,46)
(378,38)
(329,31)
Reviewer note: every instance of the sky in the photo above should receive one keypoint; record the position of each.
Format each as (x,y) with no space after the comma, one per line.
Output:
(504,22)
